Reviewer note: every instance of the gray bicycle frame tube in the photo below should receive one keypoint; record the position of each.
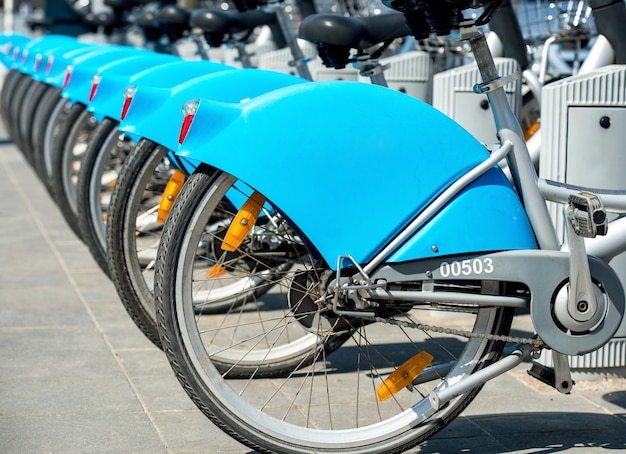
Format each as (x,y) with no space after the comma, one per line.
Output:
(508,127)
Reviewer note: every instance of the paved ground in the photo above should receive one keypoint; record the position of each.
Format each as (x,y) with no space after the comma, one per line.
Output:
(77,376)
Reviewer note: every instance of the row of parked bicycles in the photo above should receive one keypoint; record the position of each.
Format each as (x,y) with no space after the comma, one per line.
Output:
(333,265)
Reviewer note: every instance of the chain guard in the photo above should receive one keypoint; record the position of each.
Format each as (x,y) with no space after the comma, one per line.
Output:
(544,273)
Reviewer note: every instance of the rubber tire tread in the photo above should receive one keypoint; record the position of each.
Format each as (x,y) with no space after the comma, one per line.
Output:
(27,116)
(59,148)
(139,157)
(20,89)
(88,231)
(40,122)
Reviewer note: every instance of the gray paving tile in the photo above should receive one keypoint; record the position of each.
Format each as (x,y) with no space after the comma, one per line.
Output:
(191,432)
(80,434)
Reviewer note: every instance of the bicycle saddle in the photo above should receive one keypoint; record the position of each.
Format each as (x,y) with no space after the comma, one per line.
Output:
(102,19)
(173,21)
(217,24)
(336,35)
(439,16)
(172,14)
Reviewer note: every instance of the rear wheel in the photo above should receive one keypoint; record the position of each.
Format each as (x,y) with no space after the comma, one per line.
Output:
(282,371)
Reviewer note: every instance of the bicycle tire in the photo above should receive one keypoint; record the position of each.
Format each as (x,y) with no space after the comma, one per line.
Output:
(46,123)
(131,277)
(67,152)
(6,96)
(259,411)
(20,89)
(90,210)
(32,102)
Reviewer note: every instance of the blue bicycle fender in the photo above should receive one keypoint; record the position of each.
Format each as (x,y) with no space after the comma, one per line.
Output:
(11,45)
(171,71)
(57,53)
(54,70)
(78,87)
(372,157)
(155,114)
(32,53)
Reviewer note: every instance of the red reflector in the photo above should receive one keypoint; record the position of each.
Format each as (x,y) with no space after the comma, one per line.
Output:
(125,107)
(189,112)
(68,75)
(24,55)
(16,53)
(129,93)
(37,64)
(95,81)
(184,129)
(49,64)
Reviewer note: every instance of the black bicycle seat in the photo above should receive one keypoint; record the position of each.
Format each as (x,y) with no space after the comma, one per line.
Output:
(125,4)
(336,35)
(147,19)
(101,19)
(439,16)
(172,14)
(217,24)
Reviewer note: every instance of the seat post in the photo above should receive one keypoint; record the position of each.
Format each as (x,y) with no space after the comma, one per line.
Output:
(299,61)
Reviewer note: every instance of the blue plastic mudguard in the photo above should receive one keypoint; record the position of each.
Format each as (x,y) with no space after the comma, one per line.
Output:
(352,164)
(39,56)
(155,114)
(108,98)
(31,53)
(10,48)
(53,68)
(78,88)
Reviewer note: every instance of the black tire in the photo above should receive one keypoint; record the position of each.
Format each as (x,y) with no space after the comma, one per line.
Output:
(32,103)
(46,121)
(17,103)
(67,152)
(7,95)
(142,178)
(103,153)
(326,405)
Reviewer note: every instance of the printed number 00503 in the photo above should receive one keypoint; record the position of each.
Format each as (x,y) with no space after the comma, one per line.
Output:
(466,267)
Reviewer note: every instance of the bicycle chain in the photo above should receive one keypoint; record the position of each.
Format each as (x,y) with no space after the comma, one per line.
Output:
(536,342)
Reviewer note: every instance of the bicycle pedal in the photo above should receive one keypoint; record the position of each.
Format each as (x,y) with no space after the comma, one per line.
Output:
(587,215)
(542,373)
(547,375)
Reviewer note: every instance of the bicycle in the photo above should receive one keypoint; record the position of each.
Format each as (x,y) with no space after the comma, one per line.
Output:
(458,240)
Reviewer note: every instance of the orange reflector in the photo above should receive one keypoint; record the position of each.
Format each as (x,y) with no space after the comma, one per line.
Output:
(172,189)
(216,271)
(531,130)
(403,375)
(243,222)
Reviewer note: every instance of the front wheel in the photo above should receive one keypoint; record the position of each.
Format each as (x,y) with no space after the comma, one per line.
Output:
(323,394)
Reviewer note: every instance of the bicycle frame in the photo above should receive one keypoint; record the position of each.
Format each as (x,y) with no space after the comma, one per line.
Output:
(416,239)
